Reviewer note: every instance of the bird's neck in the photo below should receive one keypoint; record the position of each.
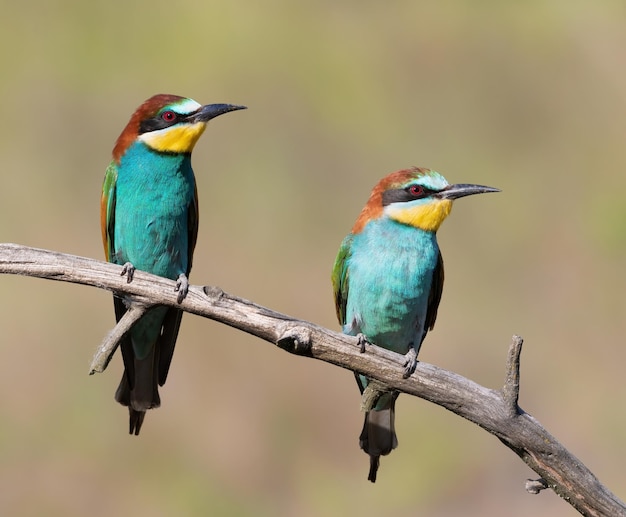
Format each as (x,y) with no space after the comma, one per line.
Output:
(141,160)
(426,216)
(175,139)
(395,237)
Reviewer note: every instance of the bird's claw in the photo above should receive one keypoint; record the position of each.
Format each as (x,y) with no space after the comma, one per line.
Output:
(128,270)
(182,287)
(362,341)
(410,362)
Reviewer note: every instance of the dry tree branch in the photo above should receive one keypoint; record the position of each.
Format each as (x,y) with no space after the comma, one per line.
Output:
(496,411)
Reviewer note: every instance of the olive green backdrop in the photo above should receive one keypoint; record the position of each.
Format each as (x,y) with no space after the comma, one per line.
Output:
(528,97)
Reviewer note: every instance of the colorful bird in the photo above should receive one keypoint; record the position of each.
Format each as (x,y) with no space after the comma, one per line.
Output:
(388,278)
(149,217)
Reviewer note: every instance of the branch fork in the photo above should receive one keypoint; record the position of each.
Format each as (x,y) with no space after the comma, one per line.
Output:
(495,411)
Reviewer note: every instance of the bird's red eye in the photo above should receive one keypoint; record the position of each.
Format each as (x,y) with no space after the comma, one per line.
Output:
(168,116)
(416,190)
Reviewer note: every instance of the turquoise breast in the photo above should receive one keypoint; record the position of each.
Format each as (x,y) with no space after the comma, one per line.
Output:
(153,195)
(390,274)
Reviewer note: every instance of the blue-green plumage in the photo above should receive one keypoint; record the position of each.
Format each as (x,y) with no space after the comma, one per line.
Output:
(391,270)
(153,226)
(155,200)
(149,215)
(388,279)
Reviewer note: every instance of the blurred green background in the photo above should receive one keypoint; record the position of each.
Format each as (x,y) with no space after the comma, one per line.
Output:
(529,97)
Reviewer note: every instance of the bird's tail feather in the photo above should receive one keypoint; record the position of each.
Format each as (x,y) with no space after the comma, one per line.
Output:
(378,437)
(144,393)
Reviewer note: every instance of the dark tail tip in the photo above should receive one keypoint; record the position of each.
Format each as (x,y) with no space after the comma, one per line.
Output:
(136,420)
(374,462)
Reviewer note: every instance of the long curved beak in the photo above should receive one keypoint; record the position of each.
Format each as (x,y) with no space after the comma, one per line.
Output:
(206,113)
(464,189)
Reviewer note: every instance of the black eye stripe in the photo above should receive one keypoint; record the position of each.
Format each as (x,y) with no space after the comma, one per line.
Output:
(155,123)
(404,195)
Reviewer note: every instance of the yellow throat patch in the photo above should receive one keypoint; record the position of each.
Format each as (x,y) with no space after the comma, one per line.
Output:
(175,139)
(426,217)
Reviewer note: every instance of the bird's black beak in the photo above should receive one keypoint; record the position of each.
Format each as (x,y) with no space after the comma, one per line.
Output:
(464,189)
(206,113)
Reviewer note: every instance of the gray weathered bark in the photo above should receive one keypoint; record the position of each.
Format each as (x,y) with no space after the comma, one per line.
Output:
(496,411)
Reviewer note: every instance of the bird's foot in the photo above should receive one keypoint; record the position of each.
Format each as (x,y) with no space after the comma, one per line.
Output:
(128,270)
(362,341)
(410,362)
(182,287)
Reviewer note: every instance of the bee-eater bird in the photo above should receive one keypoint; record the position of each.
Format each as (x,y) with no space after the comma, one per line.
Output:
(149,217)
(388,278)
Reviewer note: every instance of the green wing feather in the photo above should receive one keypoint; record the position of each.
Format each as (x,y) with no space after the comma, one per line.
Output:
(434,297)
(192,228)
(340,278)
(107,209)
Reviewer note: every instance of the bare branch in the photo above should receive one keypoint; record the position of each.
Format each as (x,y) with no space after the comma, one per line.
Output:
(495,411)
(372,393)
(510,392)
(112,340)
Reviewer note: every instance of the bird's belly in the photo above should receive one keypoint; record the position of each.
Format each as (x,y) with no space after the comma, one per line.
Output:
(153,237)
(389,292)
(394,320)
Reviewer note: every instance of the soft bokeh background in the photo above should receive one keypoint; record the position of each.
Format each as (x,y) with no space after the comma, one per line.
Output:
(529,97)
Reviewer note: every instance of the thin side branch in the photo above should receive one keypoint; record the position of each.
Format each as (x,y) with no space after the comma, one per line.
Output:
(112,340)
(371,394)
(510,392)
(490,409)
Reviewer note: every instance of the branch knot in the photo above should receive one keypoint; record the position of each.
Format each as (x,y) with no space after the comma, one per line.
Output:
(295,340)
(213,293)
